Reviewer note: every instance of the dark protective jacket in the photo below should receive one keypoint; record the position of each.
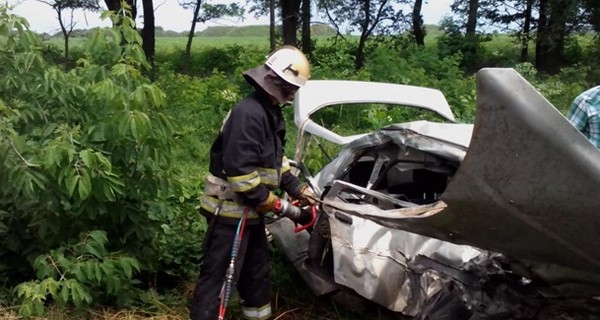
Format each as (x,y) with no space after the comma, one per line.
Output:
(247,158)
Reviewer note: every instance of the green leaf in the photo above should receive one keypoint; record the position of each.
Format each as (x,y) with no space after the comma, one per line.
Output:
(85,185)
(78,294)
(38,307)
(70,154)
(108,192)
(26,309)
(99,237)
(50,286)
(106,165)
(116,184)
(88,268)
(123,123)
(71,182)
(91,249)
(126,267)
(98,273)
(133,127)
(82,292)
(87,157)
(63,296)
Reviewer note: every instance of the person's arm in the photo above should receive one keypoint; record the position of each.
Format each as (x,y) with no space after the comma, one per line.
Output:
(289,182)
(594,129)
(577,115)
(243,139)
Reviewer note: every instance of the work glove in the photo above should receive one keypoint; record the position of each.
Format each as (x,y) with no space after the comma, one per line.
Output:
(269,204)
(286,209)
(307,196)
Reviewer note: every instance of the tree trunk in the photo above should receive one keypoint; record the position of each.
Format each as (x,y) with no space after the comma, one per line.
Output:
(359,57)
(552,33)
(542,33)
(526,35)
(272,35)
(188,45)
(148,33)
(289,20)
(66,33)
(417,21)
(306,39)
(472,18)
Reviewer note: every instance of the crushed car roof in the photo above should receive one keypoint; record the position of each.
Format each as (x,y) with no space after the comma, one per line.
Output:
(317,94)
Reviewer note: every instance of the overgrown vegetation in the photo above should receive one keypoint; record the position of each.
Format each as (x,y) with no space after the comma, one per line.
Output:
(86,157)
(101,168)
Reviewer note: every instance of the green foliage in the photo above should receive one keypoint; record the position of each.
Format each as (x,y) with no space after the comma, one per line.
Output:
(223,31)
(215,11)
(75,4)
(179,242)
(422,67)
(204,62)
(453,41)
(372,17)
(84,151)
(79,274)
(559,89)
(335,60)
(204,103)
(258,31)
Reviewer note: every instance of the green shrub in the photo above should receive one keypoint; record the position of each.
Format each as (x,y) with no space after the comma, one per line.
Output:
(422,67)
(84,158)
(205,61)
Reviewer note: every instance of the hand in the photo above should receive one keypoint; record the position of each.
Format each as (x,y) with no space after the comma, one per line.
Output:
(307,197)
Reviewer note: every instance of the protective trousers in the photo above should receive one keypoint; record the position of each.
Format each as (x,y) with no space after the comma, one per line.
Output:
(252,272)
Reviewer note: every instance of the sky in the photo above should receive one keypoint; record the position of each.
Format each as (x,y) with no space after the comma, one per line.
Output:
(170,16)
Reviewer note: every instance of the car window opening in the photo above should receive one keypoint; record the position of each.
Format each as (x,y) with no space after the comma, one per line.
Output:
(409,175)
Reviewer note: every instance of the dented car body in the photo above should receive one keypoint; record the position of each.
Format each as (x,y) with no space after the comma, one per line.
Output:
(499,218)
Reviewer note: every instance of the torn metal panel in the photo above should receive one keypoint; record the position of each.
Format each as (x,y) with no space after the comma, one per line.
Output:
(441,134)
(382,264)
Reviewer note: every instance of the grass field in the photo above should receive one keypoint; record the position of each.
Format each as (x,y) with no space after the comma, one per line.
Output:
(258,36)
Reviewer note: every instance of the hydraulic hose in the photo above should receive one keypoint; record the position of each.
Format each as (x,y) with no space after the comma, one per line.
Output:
(230,273)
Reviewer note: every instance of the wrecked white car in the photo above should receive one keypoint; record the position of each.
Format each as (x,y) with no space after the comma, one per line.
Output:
(432,220)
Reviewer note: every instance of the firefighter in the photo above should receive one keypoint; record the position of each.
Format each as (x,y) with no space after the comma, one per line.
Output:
(246,165)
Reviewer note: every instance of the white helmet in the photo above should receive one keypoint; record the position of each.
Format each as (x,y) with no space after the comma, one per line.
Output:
(285,70)
(290,64)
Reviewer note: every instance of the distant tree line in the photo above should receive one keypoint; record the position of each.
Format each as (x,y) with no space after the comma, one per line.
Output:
(547,24)
(215,31)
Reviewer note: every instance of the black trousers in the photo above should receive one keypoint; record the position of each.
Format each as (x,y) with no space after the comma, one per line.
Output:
(252,271)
